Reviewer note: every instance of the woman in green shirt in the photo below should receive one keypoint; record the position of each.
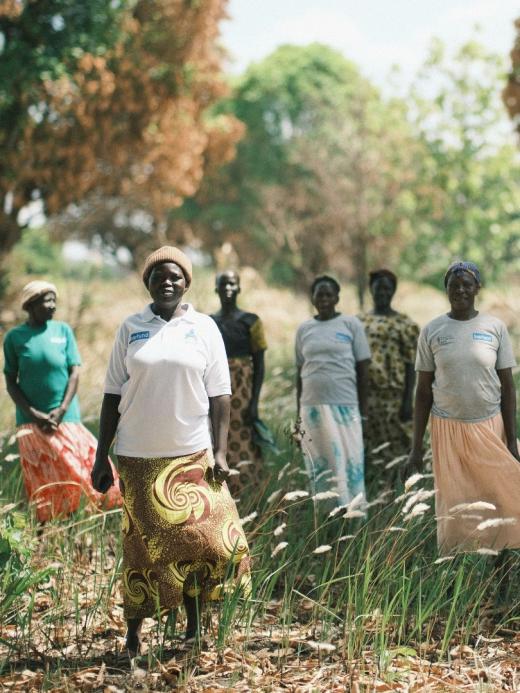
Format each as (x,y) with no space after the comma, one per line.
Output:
(41,368)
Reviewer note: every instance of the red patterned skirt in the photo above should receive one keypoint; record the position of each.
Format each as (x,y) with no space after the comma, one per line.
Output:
(56,469)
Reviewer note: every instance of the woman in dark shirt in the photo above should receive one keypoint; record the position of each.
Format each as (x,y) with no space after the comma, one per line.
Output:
(245,343)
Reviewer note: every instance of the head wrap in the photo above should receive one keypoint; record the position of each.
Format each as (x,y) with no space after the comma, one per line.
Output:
(168,253)
(461,266)
(34,290)
(380,274)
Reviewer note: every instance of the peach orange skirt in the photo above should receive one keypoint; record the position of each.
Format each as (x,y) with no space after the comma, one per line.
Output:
(56,470)
(477,484)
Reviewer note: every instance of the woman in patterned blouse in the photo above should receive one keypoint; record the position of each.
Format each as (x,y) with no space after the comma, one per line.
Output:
(392,337)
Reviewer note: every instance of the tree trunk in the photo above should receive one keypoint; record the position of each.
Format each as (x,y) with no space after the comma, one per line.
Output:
(361,270)
(10,233)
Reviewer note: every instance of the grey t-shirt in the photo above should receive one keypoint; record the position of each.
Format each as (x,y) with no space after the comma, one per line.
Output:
(465,356)
(327,352)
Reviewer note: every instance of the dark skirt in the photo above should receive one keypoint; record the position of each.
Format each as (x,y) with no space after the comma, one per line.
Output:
(243,455)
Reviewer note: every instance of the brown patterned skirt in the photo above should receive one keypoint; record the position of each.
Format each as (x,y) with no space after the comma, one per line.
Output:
(182,534)
(384,425)
(243,455)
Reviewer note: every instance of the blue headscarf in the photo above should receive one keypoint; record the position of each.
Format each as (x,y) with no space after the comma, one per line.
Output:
(461,266)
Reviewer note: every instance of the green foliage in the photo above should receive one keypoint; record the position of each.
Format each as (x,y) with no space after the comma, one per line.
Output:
(313,124)
(43,43)
(466,192)
(36,253)
(286,96)
(17,545)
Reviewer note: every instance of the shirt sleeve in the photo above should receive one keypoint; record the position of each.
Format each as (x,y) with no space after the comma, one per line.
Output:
(216,376)
(257,336)
(10,356)
(409,337)
(71,350)
(424,360)
(360,347)
(117,374)
(505,355)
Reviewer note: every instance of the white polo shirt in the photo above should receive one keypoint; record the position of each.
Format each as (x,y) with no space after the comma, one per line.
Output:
(165,373)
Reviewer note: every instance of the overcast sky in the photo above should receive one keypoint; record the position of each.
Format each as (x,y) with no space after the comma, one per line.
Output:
(375,34)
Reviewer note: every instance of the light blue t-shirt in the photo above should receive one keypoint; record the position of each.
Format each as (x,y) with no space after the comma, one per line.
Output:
(327,352)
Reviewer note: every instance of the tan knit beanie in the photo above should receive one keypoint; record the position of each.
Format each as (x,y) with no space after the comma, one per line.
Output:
(35,289)
(168,253)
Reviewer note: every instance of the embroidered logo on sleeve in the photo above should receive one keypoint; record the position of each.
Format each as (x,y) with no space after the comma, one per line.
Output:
(58,340)
(136,336)
(445,339)
(482,337)
(342,337)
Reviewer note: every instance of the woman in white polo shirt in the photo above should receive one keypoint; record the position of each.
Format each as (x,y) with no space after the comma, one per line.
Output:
(464,363)
(166,388)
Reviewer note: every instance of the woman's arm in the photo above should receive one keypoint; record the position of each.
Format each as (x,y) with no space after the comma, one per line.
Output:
(40,418)
(258,380)
(102,477)
(362,385)
(406,412)
(508,409)
(72,387)
(423,405)
(219,408)
(298,391)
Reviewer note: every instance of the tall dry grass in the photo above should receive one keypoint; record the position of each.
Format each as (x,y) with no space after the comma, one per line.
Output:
(350,584)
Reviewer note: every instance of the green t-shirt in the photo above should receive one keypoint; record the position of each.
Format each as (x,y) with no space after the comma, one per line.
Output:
(40,358)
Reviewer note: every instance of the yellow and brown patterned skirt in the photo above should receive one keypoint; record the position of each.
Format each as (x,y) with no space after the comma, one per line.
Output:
(243,455)
(182,534)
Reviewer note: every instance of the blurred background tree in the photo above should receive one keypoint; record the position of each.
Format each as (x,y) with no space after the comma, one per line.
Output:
(110,116)
(332,175)
(467,196)
(117,123)
(511,93)
(42,46)
(318,176)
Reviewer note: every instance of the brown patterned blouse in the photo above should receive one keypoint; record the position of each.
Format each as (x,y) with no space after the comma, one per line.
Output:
(393,341)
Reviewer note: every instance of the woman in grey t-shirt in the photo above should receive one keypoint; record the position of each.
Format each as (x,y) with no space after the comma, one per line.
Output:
(332,357)
(464,362)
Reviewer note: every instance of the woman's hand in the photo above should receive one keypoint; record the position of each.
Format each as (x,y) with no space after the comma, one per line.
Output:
(297,432)
(251,412)
(101,475)
(414,464)
(513,449)
(406,412)
(221,468)
(57,415)
(43,420)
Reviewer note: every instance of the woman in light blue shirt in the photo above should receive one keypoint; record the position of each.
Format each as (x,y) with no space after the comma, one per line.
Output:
(332,358)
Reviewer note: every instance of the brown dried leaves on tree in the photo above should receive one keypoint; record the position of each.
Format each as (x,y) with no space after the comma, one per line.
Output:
(511,93)
(132,123)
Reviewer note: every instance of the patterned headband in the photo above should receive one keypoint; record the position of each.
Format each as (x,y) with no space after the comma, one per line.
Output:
(462,266)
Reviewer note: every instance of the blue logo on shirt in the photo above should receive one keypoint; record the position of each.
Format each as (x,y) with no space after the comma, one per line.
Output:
(135,336)
(482,337)
(190,336)
(342,337)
